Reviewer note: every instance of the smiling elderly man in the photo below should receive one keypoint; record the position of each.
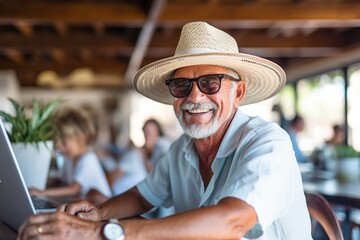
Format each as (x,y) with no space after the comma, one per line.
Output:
(229,176)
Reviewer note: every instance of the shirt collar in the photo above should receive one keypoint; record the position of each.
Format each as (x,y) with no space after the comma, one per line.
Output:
(231,138)
(233,134)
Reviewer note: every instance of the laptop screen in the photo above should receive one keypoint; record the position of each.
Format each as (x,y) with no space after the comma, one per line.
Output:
(15,201)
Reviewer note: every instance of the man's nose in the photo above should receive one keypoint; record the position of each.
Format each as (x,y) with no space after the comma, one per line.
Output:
(195,94)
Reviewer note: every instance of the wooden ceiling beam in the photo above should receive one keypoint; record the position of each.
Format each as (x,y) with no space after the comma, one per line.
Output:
(74,12)
(261,39)
(99,29)
(13,55)
(24,27)
(310,68)
(58,55)
(86,55)
(103,65)
(68,41)
(267,12)
(299,52)
(291,52)
(107,43)
(122,12)
(61,28)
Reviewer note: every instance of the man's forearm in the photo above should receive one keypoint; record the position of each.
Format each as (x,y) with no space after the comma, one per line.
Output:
(222,221)
(128,204)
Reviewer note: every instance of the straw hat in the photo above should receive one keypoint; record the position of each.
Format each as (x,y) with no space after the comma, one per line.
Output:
(203,44)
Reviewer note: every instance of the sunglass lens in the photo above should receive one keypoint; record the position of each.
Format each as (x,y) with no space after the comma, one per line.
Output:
(209,84)
(180,87)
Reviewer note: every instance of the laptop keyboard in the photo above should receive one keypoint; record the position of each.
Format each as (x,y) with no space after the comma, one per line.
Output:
(40,203)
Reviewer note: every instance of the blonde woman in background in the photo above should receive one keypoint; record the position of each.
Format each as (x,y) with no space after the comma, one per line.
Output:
(82,172)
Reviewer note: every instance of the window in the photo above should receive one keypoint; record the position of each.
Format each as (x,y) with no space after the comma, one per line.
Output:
(321,102)
(353,107)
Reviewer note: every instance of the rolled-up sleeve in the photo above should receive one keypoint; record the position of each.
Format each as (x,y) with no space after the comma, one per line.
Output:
(264,177)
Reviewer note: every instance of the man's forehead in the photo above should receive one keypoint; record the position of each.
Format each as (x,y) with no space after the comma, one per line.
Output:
(198,70)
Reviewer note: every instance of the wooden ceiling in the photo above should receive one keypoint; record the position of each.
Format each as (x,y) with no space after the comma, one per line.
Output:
(114,38)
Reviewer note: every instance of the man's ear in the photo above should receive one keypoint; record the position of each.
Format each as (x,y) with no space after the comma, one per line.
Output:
(240,92)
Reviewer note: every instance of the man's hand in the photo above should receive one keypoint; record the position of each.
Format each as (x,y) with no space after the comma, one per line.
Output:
(82,209)
(59,225)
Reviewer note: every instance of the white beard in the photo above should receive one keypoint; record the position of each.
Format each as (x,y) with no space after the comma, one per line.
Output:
(197,130)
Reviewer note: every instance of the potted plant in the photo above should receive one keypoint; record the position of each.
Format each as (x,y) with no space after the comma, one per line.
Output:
(348,162)
(31,134)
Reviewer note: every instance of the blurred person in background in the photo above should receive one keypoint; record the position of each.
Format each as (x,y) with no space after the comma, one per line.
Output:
(324,156)
(280,117)
(135,163)
(110,153)
(338,136)
(297,124)
(81,172)
(156,144)
(130,169)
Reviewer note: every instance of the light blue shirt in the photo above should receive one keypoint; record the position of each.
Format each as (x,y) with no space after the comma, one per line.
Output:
(255,163)
(88,172)
(295,144)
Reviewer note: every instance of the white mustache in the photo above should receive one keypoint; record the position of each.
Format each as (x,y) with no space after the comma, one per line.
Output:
(192,106)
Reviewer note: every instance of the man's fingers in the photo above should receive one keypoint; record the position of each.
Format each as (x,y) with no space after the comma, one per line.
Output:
(61,208)
(57,225)
(46,228)
(92,215)
(82,209)
(35,225)
(75,207)
(38,218)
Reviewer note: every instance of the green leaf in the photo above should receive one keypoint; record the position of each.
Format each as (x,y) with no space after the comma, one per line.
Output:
(35,115)
(18,109)
(49,110)
(46,130)
(38,128)
(345,151)
(7,117)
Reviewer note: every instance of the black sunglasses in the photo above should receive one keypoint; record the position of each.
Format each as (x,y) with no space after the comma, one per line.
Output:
(208,84)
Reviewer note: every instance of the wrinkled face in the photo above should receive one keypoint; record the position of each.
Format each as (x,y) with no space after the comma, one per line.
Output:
(201,115)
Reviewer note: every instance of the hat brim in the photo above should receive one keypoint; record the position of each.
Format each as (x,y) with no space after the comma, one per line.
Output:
(263,78)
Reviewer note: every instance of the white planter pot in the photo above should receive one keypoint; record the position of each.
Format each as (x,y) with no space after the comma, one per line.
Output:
(348,169)
(34,162)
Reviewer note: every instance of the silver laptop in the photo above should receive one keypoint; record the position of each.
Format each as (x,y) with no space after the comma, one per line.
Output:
(15,202)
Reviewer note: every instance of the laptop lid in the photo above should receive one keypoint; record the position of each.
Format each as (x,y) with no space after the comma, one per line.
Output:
(15,201)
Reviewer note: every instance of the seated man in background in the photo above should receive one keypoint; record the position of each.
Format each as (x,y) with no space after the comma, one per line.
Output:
(229,176)
(297,125)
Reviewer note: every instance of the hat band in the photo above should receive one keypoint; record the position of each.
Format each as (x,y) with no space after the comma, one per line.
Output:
(195,51)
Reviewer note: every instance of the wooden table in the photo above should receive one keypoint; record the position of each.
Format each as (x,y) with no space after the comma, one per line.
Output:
(336,191)
(343,193)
